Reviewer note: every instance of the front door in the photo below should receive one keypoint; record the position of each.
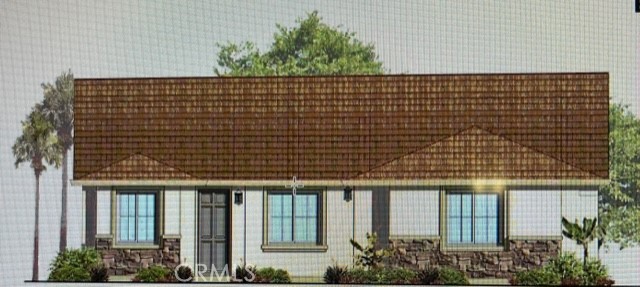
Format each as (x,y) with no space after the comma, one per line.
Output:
(213,229)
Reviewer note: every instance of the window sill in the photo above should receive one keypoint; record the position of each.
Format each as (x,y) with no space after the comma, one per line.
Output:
(135,246)
(471,248)
(294,248)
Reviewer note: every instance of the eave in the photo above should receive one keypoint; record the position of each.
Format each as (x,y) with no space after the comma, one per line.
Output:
(357,183)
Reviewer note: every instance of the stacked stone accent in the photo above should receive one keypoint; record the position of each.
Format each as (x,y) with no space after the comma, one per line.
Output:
(125,261)
(518,255)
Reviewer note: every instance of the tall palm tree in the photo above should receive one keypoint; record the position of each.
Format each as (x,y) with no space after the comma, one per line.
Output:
(58,109)
(582,234)
(37,143)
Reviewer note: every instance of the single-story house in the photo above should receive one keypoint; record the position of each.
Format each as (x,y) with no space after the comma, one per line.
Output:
(473,171)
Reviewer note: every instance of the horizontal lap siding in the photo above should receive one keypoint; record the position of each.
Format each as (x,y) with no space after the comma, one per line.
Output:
(335,127)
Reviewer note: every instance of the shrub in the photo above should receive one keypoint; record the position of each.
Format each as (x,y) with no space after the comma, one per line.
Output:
(450,276)
(359,276)
(594,271)
(74,265)
(155,273)
(428,276)
(271,275)
(379,276)
(334,274)
(394,276)
(185,274)
(535,277)
(99,274)
(566,266)
(245,273)
(566,270)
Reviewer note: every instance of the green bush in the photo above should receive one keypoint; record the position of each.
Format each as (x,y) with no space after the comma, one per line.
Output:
(535,277)
(565,270)
(153,274)
(74,265)
(450,276)
(594,271)
(379,276)
(334,274)
(566,266)
(271,275)
(395,276)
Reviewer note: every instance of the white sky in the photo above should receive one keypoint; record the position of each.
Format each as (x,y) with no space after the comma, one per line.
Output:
(40,39)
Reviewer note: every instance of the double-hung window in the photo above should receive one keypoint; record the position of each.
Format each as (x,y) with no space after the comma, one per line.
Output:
(473,218)
(294,219)
(136,217)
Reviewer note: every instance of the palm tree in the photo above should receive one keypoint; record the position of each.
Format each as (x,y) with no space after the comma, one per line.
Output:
(37,143)
(58,110)
(582,235)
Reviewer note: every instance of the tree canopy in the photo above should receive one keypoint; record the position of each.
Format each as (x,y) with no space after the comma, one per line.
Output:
(310,48)
(37,143)
(620,199)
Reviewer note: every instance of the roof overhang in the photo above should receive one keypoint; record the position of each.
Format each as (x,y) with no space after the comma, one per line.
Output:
(389,182)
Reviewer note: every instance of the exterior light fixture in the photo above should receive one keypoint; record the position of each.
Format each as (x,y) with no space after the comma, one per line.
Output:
(237,197)
(348,193)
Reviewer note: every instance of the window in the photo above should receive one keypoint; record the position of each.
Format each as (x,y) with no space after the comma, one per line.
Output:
(294,219)
(473,218)
(136,217)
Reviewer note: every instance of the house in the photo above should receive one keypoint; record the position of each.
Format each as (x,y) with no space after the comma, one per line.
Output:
(474,171)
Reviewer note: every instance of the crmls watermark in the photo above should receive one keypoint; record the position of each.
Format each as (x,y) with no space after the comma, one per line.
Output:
(201,271)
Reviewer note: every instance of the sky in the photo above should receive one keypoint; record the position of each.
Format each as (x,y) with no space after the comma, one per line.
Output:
(41,39)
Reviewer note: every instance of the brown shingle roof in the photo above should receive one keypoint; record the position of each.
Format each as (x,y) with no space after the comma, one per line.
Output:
(511,126)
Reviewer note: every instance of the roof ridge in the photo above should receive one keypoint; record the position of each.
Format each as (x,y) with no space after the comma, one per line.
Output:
(115,162)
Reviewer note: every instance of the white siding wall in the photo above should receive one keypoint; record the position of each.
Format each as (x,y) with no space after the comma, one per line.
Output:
(103,211)
(577,204)
(188,225)
(172,211)
(339,230)
(534,213)
(414,213)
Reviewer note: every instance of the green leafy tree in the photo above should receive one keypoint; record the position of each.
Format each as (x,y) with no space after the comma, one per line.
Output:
(620,199)
(58,109)
(582,234)
(311,48)
(37,143)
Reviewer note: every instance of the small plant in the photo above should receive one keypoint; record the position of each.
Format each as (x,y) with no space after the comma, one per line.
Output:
(428,276)
(271,275)
(535,277)
(369,256)
(154,274)
(450,276)
(245,273)
(74,265)
(583,234)
(184,274)
(99,274)
(334,274)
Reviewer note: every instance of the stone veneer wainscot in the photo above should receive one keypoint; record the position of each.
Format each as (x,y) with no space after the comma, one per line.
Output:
(519,255)
(125,261)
